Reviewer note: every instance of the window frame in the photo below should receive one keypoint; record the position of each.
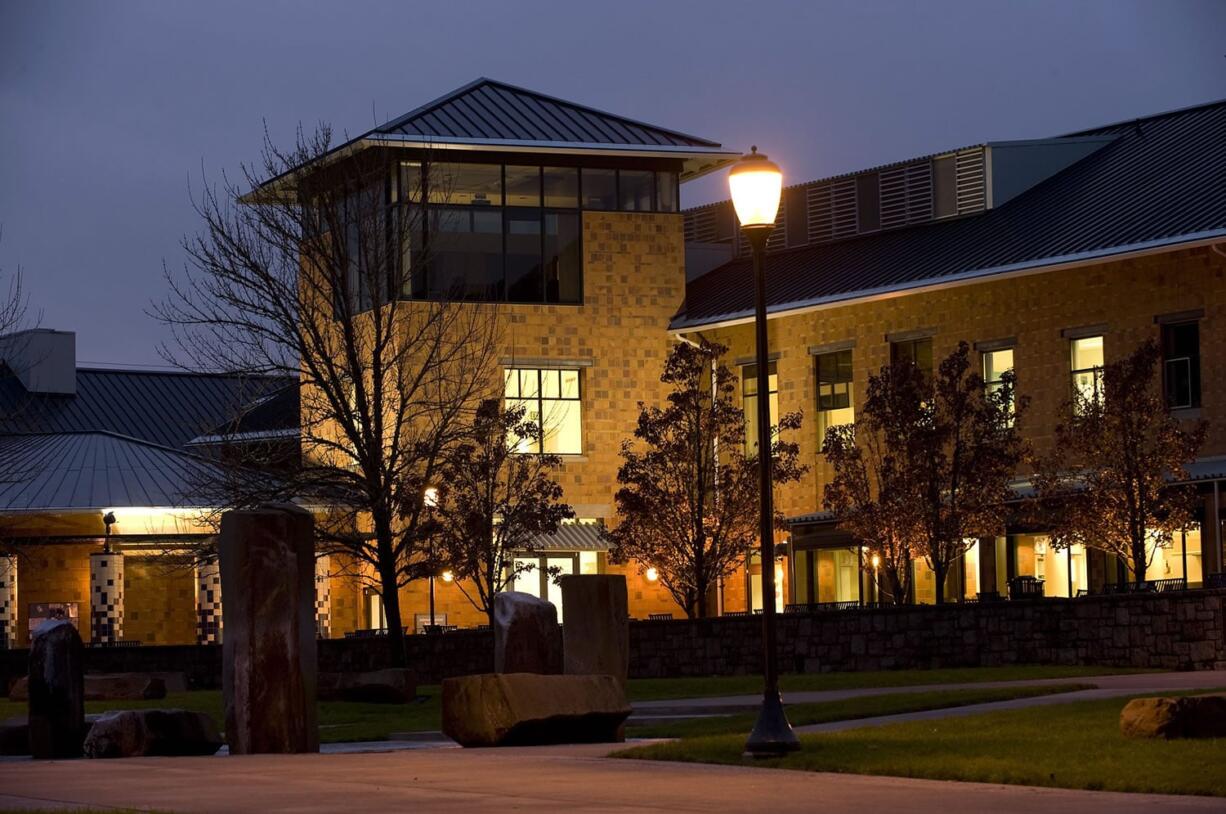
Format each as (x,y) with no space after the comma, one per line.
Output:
(990,384)
(772,369)
(1193,364)
(849,382)
(540,398)
(1095,371)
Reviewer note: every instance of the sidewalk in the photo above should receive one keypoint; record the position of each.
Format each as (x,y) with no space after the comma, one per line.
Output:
(576,778)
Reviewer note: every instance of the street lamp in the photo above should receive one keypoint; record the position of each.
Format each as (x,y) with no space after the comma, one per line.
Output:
(756,183)
(429,499)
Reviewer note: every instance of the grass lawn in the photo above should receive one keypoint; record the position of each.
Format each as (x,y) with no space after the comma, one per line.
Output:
(868,707)
(653,689)
(341,721)
(1075,745)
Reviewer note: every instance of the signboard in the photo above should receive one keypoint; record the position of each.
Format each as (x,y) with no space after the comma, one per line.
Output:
(46,611)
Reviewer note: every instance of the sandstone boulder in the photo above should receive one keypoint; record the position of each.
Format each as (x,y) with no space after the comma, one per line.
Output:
(527,638)
(57,691)
(1192,716)
(152,732)
(513,709)
(390,686)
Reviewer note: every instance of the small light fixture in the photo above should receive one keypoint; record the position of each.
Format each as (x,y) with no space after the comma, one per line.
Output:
(448,576)
(652,575)
(430,497)
(755,183)
(876,561)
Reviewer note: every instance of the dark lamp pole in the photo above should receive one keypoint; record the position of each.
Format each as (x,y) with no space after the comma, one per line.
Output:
(756,184)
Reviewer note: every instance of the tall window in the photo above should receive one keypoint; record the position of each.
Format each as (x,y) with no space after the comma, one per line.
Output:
(916,351)
(749,402)
(1181,364)
(834,392)
(551,400)
(1087,367)
(995,364)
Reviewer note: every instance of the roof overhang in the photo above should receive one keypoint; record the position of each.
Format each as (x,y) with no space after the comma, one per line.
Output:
(1026,268)
(696,161)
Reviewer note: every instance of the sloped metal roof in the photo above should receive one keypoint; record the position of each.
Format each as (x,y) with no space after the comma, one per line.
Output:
(1161,182)
(98,470)
(164,408)
(486,109)
(573,537)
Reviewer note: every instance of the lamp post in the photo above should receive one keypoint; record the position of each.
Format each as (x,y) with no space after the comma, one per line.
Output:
(756,183)
(430,501)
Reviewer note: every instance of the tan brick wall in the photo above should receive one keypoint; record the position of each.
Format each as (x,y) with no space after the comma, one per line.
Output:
(1125,295)
(159,601)
(53,572)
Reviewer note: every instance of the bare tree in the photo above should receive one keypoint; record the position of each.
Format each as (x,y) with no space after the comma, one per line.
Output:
(1112,481)
(688,501)
(494,503)
(303,268)
(927,465)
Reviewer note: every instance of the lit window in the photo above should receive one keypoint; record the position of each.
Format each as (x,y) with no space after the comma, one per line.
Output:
(749,402)
(1181,364)
(1087,366)
(834,392)
(995,364)
(551,400)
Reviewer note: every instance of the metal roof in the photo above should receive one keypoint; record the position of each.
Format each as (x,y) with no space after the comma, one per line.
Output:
(165,408)
(1160,183)
(489,110)
(573,537)
(99,470)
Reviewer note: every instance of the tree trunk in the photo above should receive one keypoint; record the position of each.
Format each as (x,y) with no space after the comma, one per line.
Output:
(391,609)
(700,601)
(940,573)
(1138,561)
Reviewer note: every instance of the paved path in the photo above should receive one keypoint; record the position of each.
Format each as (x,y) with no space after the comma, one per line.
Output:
(522,779)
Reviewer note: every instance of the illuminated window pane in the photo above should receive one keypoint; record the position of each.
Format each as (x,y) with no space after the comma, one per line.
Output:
(466,184)
(749,402)
(1087,367)
(552,401)
(834,391)
(523,186)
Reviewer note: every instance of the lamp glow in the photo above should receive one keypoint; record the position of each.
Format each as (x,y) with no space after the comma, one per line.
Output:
(755,183)
(876,560)
(652,575)
(430,497)
(448,576)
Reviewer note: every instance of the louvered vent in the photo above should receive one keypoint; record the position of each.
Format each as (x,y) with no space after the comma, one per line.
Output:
(700,225)
(972,191)
(779,235)
(832,210)
(906,195)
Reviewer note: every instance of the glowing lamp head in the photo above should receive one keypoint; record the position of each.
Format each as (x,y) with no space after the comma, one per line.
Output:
(430,497)
(876,561)
(652,575)
(756,183)
(448,576)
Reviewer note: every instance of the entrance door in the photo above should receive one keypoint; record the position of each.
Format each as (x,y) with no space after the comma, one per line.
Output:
(540,582)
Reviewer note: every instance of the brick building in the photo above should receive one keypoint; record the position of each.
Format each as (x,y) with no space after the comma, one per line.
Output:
(1051,256)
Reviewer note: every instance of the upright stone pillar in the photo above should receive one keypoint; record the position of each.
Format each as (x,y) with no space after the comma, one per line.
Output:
(57,691)
(269,668)
(595,626)
(208,602)
(105,597)
(8,602)
(323,597)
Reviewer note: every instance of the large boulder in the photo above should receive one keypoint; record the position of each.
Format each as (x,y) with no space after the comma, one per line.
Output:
(1192,716)
(515,709)
(15,736)
(57,691)
(123,687)
(527,638)
(391,686)
(596,633)
(269,664)
(152,732)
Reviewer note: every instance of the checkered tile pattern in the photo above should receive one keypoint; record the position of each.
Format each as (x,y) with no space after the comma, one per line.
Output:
(8,602)
(323,598)
(208,603)
(105,597)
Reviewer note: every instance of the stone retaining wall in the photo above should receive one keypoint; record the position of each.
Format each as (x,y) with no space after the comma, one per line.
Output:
(1176,631)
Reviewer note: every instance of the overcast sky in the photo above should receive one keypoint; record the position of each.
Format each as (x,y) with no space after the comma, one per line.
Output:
(107,111)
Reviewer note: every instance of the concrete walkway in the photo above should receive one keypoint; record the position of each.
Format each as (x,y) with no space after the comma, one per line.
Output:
(576,778)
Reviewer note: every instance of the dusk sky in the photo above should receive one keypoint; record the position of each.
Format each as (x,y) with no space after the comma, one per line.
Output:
(108,111)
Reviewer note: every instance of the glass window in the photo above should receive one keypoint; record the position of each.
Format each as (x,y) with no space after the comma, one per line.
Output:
(466,253)
(666,192)
(465,184)
(636,188)
(916,351)
(563,261)
(523,186)
(834,392)
(562,187)
(1087,367)
(995,364)
(599,189)
(1181,364)
(525,276)
(749,403)
(551,399)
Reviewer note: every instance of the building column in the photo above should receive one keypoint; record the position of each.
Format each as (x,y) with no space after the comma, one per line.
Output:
(105,597)
(8,602)
(208,602)
(323,597)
